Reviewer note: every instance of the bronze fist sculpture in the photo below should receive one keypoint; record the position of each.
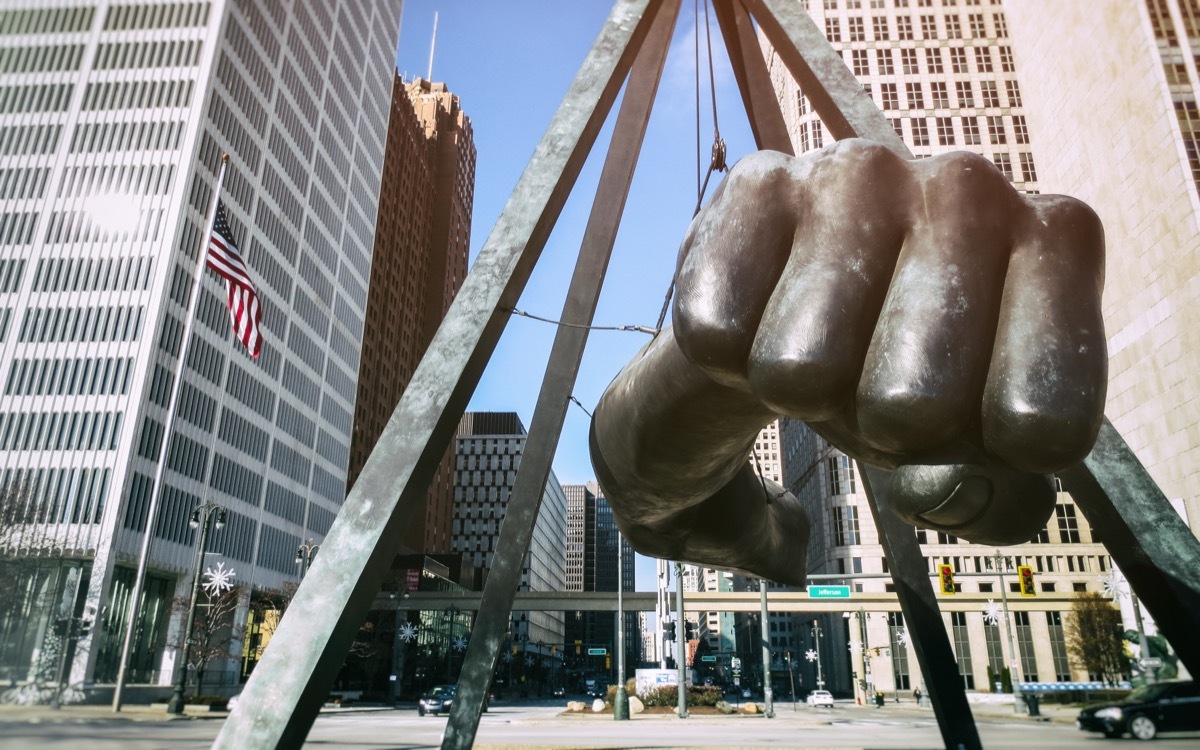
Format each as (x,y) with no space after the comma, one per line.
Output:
(921,316)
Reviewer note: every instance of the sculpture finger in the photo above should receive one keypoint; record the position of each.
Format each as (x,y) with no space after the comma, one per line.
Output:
(731,261)
(926,366)
(813,337)
(1044,398)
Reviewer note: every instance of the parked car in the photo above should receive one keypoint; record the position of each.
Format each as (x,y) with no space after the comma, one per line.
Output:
(1162,707)
(820,698)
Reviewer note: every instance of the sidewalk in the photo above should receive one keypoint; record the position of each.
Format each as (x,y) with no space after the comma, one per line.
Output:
(139,713)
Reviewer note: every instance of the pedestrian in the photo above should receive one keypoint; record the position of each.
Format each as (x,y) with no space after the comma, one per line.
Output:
(917,695)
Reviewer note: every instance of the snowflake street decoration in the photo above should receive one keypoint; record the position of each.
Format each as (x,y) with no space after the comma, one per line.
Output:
(460,643)
(810,655)
(529,661)
(1113,584)
(992,612)
(408,632)
(855,647)
(902,637)
(218,580)
(507,657)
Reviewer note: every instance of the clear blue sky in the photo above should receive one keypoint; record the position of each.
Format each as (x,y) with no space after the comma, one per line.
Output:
(511,63)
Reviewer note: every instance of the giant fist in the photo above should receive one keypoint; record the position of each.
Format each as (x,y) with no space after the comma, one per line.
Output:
(921,316)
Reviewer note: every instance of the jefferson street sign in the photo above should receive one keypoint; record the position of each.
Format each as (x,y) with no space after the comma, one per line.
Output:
(597,651)
(708,658)
(828,592)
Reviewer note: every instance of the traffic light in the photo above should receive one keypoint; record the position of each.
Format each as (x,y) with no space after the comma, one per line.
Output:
(1025,578)
(946,578)
(691,629)
(669,631)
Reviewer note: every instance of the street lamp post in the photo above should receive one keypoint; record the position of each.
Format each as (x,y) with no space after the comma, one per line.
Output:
(1000,562)
(864,683)
(816,629)
(768,696)
(305,554)
(201,516)
(621,699)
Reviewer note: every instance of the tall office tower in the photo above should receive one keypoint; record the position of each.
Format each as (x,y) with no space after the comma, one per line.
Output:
(1137,162)
(488,452)
(422,238)
(113,119)
(945,74)
(591,565)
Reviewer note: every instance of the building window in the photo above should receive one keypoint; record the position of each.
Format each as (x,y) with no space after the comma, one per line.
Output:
(908,61)
(1014,93)
(883,61)
(1001,27)
(833,29)
(1003,162)
(841,475)
(945,130)
(899,651)
(1068,524)
(845,527)
(966,97)
(887,94)
(996,130)
(953,27)
(929,27)
(858,62)
(1020,130)
(857,31)
(916,99)
(904,27)
(995,650)
(962,648)
(978,28)
(933,60)
(1058,647)
(1027,170)
(939,95)
(920,131)
(1025,647)
(879,25)
(983,59)
(958,60)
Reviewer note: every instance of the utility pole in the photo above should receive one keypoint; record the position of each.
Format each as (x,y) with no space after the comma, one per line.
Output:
(681,642)
(768,698)
(200,518)
(1000,561)
(621,701)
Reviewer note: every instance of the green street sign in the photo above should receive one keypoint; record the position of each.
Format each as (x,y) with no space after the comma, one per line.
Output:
(597,651)
(708,658)
(828,592)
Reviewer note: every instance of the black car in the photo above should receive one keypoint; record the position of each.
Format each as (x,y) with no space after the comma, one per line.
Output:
(436,699)
(1163,707)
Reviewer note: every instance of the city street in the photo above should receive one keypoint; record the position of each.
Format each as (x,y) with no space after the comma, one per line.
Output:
(846,726)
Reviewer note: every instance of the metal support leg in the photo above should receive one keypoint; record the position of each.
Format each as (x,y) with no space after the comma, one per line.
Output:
(561,371)
(283,696)
(753,78)
(926,630)
(1155,549)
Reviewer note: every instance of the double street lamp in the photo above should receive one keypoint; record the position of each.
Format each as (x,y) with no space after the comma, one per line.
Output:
(305,554)
(202,515)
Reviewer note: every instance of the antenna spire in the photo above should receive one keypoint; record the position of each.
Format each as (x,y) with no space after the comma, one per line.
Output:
(432,44)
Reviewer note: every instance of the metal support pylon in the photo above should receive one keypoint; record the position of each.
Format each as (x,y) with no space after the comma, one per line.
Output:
(284,694)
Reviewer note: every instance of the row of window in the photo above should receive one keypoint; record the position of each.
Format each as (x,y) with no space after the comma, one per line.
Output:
(103,137)
(939,95)
(884,60)
(58,20)
(129,16)
(108,376)
(52,324)
(91,274)
(36,97)
(854,29)
(22,183)
(53,495)
(107,95)
(68,227)
(59,431)
(29,140)
(41,59)
(179,53)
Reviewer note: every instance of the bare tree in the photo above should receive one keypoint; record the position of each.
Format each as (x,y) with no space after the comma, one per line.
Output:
(214,630)
(1095,637)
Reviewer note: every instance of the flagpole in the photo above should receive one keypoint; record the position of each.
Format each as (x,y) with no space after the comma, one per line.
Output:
(156,494)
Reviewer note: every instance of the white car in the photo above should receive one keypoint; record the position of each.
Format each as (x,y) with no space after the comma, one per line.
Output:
(820,698)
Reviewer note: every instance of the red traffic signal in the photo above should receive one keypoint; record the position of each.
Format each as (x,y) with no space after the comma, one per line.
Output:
(1025,579)
(946,578)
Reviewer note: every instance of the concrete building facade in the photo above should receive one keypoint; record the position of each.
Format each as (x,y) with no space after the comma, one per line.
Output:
(422,240)
(948,77)
(113,119)
(487,456)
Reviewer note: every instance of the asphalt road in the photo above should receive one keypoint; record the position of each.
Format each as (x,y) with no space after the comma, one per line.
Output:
(505,727)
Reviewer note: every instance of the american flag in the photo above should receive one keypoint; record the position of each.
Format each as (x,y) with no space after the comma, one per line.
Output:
(226,260)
